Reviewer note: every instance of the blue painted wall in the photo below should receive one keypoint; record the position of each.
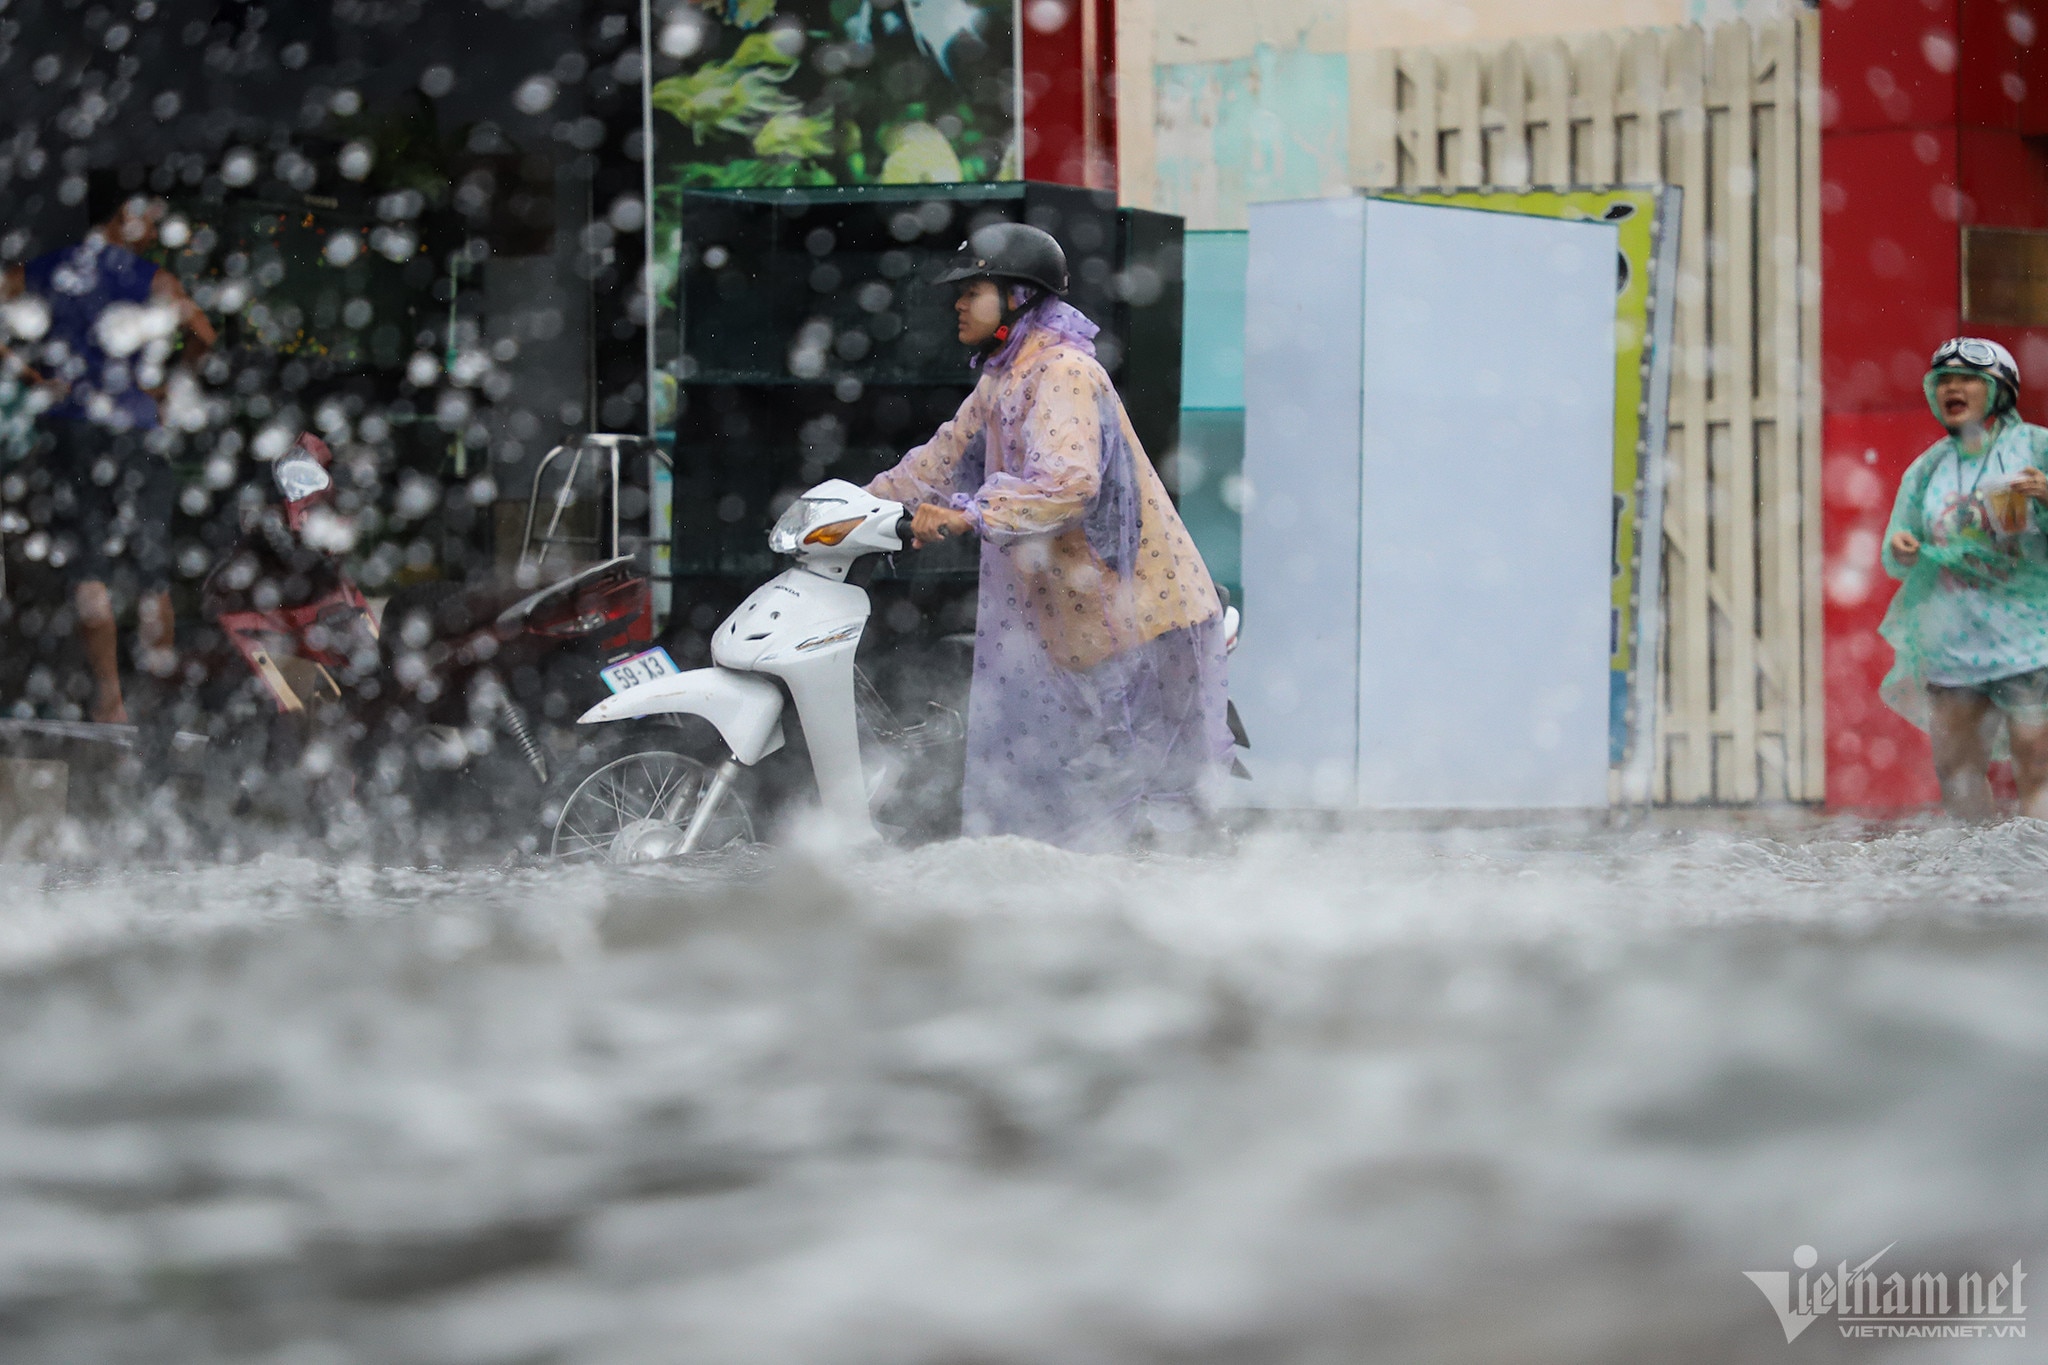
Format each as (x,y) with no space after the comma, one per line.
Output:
(1211,456)
(1275,125)
(1212,346)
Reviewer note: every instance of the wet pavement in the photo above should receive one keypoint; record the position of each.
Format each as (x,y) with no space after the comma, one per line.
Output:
(1522,1094)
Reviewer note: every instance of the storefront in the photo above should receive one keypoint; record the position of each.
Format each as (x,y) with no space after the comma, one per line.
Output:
(1934,213)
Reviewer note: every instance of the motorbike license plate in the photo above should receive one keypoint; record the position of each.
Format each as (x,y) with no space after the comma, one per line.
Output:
(641,668)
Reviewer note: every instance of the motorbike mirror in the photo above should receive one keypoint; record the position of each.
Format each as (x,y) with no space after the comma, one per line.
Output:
(300,477)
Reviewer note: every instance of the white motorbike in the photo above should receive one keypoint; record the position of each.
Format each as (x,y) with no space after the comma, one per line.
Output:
(794,636)
(797,634)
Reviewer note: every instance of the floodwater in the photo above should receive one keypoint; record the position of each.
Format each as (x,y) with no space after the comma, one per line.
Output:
(1371,1096)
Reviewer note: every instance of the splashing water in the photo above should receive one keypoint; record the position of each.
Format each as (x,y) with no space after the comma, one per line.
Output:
(1394,1096)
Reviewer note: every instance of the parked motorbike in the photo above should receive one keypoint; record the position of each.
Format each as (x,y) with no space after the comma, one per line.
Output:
(444,713)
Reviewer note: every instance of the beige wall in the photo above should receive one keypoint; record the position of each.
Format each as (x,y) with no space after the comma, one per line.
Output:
(1218,30)
(1153,33)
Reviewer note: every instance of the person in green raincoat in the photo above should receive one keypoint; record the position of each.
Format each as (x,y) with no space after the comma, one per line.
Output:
(1970,626)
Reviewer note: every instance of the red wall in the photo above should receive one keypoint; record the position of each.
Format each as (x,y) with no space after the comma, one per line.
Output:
(1929,114)
(1069,92)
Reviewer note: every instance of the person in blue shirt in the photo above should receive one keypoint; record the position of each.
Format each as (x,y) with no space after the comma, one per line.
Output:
(98,322)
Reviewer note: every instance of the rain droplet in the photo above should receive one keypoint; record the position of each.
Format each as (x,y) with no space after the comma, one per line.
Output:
(394,244)
(272,442)
(356,159)
(626,213)
(1047,16)
(681,36)
(239,166)
(535,95)
(26,317)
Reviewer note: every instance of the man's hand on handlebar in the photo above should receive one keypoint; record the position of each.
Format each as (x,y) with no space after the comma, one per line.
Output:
(930,524)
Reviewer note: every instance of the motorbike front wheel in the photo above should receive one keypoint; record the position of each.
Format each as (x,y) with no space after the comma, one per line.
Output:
(637,807)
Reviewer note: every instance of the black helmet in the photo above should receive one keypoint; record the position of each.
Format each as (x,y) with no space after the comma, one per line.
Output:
(1010,251)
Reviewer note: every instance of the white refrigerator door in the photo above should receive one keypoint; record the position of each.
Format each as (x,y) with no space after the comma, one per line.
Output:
(1486,500)
(1429,453)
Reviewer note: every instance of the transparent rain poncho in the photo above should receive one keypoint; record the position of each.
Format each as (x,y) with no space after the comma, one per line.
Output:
(1974,605)
(1097,714)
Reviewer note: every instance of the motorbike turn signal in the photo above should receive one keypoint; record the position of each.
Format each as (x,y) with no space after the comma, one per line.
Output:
(833,532)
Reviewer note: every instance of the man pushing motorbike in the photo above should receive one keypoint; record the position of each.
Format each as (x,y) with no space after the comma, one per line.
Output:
(1097,715)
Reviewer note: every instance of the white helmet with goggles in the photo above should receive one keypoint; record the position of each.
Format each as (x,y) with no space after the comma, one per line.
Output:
(1976,356)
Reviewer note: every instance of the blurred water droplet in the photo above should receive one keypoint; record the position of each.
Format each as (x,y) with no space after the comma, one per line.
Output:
(626,213)
(535,95)
(356,160)
(1047,16)
(273,441)
(238,167)
(682,35)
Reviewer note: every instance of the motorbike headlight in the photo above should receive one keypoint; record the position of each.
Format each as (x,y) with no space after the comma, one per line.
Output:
(791,525)
(788,526)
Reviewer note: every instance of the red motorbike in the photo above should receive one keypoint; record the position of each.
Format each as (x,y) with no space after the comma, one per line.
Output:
(448,717)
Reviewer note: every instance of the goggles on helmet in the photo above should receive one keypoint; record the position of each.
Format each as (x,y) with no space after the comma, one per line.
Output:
(1968,351)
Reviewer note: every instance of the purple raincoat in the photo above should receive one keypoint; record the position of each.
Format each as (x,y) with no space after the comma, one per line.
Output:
(1097,714)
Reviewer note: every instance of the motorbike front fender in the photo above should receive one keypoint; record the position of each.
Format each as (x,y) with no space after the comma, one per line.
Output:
(745,708)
